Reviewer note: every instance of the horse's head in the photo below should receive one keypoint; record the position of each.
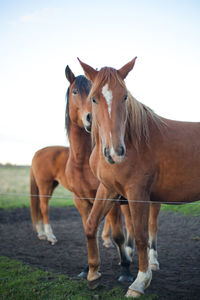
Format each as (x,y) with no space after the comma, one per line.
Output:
(109,109)
(78,107)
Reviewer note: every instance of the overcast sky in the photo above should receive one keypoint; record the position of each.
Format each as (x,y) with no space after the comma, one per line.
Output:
(39,38)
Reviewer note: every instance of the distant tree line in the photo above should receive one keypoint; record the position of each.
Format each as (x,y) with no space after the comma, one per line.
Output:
(12,165)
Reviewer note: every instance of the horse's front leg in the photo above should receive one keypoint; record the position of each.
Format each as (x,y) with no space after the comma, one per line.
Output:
(153,229)
(101,207)
(140,219)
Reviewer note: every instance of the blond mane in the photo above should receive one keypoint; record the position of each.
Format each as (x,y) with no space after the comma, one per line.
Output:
(139,115)
(139,119)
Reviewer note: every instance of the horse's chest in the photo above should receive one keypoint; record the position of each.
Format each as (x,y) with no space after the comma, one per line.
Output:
(110,176)
(80,179)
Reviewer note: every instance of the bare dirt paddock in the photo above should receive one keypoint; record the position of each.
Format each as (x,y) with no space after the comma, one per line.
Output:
(178,248)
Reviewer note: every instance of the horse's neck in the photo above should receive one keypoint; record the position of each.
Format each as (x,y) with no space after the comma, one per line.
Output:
(80,143)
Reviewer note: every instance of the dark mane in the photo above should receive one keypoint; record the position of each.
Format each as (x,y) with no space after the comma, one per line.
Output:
(83,85)
(67,117)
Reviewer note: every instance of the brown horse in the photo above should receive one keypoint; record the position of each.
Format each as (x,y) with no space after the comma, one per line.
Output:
(47,171)
(139,155)
(78,176)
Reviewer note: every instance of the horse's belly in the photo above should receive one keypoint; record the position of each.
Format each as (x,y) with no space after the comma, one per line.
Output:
(182,193)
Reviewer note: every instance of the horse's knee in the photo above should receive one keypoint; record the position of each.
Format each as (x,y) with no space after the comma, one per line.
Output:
(90,231)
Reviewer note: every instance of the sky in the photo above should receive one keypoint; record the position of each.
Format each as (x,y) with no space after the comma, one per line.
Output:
(39,38)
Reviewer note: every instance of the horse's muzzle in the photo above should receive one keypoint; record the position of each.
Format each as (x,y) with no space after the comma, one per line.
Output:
(114,155)
(88,122)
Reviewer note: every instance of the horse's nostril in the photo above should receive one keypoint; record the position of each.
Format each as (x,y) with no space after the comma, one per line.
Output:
(89,118)
(106,152)
(120,150)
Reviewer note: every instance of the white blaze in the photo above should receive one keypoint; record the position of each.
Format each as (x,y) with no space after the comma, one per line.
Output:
(108,96)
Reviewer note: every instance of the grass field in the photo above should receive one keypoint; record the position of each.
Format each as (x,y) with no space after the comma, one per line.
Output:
(20,281)
(14,189)
(14,192)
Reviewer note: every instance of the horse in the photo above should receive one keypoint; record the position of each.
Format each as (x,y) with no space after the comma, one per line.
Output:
(140,155)
(80,179)
(46,173)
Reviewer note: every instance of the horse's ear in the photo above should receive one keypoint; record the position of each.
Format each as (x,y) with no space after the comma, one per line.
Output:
(127,68)
(69,74)
(90,73)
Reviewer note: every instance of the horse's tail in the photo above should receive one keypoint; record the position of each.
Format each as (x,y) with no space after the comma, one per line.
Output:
(34,200)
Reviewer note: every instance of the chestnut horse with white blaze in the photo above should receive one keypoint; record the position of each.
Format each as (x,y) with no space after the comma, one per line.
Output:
(139,155)
(46,173)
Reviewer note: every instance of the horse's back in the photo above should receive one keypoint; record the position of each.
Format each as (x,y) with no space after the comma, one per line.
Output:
(177,159)
(48,161)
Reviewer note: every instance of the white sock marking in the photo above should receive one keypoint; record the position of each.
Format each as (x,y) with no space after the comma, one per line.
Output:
(153,255)
(142,281)
(39,229)
(49,232)
(108,96)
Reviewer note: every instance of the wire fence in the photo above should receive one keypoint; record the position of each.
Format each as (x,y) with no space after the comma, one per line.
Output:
(70,197)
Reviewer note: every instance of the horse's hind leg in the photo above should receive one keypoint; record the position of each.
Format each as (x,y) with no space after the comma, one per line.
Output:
(107,242)
(115,217)
(36,214)
(84,207)
(153,228)
(130,241)
(45,195)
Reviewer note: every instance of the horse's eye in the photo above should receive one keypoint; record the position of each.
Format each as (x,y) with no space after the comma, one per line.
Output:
(75,92)
(125,98)
(94,100)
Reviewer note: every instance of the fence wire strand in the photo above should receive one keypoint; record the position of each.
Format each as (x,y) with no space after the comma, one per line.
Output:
(69,197)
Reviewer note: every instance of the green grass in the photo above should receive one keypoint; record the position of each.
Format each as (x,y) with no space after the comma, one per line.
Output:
(14,189)
(190,209)
(14,192)
(19,281)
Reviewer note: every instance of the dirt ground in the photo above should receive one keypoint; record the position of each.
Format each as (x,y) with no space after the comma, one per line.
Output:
(178,249)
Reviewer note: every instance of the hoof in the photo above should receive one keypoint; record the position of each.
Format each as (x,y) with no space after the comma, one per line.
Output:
(154,267)
(52,241)
(125,278)
(83,275)
(108,244)
(92,285)
(42,237)
(132,294)
(125,275)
